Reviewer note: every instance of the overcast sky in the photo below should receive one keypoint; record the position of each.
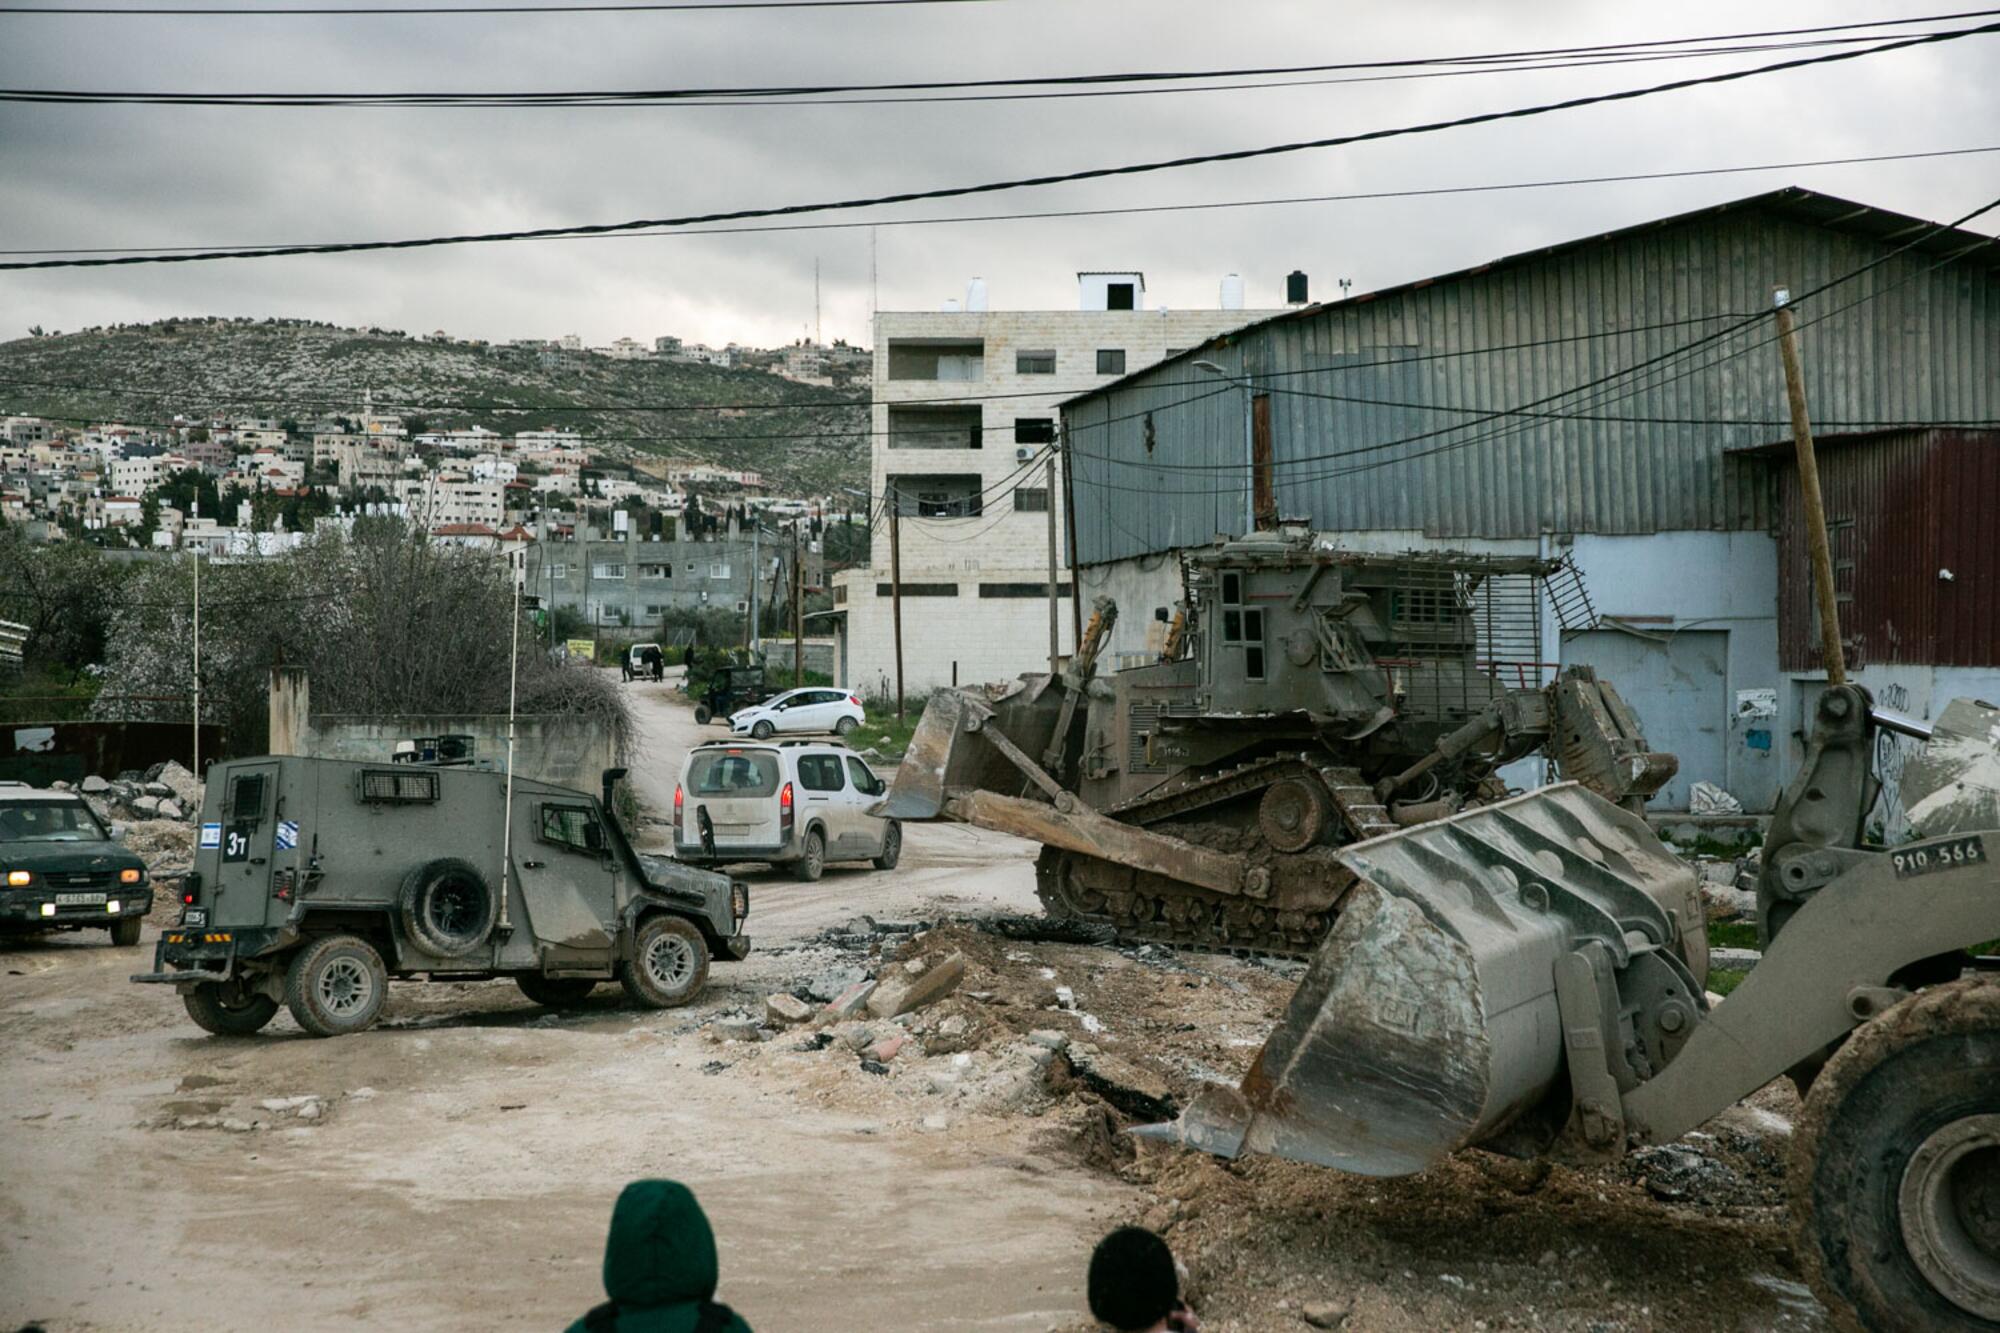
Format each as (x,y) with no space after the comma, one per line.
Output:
(142,176)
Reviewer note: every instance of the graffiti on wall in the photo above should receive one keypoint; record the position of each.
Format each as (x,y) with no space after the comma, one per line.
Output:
(1888,821)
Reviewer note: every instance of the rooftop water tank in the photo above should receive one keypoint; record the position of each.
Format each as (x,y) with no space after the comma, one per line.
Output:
(975,296)
(1232,291)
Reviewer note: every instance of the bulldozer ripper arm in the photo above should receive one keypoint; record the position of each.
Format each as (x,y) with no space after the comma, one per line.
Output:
(1080,829)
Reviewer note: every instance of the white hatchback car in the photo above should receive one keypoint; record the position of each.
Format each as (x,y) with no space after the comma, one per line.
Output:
(814,708)
(797,804)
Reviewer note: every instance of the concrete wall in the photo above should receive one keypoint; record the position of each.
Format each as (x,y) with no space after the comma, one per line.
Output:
(567,751)
(966,637)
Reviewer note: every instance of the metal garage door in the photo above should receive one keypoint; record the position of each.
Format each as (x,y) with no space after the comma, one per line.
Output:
(1677,683)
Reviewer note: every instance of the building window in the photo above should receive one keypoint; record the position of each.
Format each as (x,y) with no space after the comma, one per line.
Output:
(840,594)
(1021,590)
(1031,499)
(719,570)
(918,590)
(559,573)
(1119,296)
(1111,360)
(656,571)
(938,495)
(935,428)
(604,569)
(955,359)
(1035,363)
(1035,430)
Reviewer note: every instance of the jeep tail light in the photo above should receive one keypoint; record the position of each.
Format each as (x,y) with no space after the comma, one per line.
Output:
(785,809)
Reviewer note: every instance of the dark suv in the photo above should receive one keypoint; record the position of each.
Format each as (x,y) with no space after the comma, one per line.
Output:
(60,869)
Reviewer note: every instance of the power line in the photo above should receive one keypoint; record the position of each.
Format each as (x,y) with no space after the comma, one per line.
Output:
(1094,85)
(1030,182)
(1362,196)
(330,12)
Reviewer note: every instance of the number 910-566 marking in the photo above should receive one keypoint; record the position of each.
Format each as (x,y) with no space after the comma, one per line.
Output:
(1932,857)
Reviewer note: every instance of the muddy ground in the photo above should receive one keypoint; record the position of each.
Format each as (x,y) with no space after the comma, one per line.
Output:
(453,1168)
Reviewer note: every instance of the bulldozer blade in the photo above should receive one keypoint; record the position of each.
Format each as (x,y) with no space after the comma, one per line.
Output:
(1427,1021)
(948,754)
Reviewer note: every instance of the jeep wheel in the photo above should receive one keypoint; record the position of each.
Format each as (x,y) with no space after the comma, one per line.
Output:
(812,857)
(669,963)
(554,992)
(336,986)
(892,847)
(125,934)
(762,730)
(702,715)
(227,1010)
(447,907)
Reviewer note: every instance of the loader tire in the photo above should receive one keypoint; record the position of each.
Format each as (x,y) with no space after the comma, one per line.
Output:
(447,907)
(1895,1171)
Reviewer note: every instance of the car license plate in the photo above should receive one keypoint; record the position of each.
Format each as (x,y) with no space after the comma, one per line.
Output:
(194,916)
(80,899)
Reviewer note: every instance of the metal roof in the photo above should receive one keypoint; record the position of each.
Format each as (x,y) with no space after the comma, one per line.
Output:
(1792,201)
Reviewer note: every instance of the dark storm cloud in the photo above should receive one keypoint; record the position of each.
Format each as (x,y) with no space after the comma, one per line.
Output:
(139,175)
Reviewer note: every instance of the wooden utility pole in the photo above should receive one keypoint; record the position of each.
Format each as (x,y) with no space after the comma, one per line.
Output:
(1055,621)
(798,607)
(1831,655)
(894,498)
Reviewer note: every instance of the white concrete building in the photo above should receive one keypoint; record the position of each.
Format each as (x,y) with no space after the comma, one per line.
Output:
(136,476)
(453,497)
(964,427)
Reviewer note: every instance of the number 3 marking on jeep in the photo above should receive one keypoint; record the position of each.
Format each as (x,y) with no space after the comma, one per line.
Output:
(236,846)
(1935,856)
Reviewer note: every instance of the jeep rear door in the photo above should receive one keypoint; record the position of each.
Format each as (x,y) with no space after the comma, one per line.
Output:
(245,844)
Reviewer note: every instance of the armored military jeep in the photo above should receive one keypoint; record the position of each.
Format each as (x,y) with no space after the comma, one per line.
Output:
(317,880)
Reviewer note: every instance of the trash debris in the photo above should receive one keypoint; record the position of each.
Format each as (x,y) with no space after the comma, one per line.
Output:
(1705,798)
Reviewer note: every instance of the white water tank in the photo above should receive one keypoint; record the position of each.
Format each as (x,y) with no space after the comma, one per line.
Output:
(951,307)
(1232,291)
(975,296)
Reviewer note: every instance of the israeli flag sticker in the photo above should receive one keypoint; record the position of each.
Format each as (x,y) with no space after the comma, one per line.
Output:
(288,834)
(211,835)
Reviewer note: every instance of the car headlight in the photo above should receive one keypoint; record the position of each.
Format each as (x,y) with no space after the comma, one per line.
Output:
(16,878)
(128,876)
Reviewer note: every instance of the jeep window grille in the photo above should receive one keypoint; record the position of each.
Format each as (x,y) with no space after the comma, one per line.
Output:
(388,787)
(570,826)
(246,796)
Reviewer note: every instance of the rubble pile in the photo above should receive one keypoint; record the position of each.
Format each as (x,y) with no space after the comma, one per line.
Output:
(152,812)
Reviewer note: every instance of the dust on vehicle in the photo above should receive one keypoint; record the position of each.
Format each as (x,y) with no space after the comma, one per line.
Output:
(316,880)
(61,870)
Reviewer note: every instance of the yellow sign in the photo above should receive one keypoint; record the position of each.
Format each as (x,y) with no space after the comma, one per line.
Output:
(585,649)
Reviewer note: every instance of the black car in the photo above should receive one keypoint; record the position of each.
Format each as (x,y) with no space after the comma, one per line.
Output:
(60,869)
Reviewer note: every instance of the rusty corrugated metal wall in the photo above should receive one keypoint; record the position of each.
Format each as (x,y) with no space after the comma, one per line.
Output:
(1901,506)
(1377,404)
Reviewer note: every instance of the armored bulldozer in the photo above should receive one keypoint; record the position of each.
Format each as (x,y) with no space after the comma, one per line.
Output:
(1302,697)
(1529,977)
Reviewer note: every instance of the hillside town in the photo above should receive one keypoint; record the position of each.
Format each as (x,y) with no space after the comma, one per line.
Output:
(1401,739)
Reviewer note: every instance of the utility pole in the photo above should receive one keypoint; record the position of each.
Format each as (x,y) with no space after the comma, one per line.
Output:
(798,612)
(1069,518)
(1831,655)
(197,644)
(518,575)
(1055,620)
(894,497)
(756,575)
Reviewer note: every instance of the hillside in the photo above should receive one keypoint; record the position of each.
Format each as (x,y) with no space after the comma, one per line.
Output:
(299,371)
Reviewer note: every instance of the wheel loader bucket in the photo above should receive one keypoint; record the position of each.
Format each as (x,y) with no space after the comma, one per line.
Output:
(1428,1021)
(949,753)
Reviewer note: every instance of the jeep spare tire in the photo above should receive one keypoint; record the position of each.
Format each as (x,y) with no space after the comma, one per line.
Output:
(448,907)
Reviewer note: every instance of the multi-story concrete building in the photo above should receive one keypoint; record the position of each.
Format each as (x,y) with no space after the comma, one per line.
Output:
(625,581)
(964,426)
(452,497)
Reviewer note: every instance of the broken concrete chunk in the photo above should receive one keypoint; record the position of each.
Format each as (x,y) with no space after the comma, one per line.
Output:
(1049,1038)
(736,1029)
(1133,1090)
(900,992)
(850,1003)
(885,1050)
(831,983)
(783,1008)
(1324,1314)
(93,783)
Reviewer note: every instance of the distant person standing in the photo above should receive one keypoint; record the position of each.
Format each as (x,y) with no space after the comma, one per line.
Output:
(1135,1286)
(659,1267)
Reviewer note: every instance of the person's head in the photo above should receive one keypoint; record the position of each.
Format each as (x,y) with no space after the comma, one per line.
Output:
(661,1250)
(1133,1284)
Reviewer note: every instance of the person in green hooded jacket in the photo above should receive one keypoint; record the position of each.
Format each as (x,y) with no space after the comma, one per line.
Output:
(659,1267)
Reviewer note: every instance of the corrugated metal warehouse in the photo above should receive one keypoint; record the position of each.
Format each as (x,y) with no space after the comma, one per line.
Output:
(1597,397)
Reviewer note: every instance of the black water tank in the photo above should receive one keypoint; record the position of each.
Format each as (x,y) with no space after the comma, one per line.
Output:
(1295,288)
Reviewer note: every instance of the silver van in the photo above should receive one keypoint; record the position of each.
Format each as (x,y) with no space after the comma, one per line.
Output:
(797,804)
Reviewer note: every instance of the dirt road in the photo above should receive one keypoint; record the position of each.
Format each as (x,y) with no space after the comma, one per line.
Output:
(462,1172)
(458,1163)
